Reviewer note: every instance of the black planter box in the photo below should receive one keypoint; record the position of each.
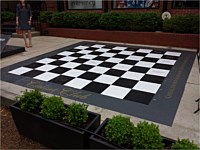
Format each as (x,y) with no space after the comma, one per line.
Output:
(99,142)
(52,133)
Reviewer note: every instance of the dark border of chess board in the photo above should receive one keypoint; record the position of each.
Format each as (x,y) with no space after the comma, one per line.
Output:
(162,109)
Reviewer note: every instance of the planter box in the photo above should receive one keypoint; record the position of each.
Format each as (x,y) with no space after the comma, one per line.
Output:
(99,142)
(52,133)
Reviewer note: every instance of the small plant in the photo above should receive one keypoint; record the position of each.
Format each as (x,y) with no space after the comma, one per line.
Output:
(7,16)
(119,130)
(76,114)
(30,100)
(53,108)
(45,16)
(184,144)
(147,136)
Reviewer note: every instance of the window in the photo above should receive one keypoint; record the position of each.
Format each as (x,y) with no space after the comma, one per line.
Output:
(84,4)
(185,4)
(124,4)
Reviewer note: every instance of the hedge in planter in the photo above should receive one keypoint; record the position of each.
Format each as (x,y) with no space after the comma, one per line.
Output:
(184,144)
(7,16)
(45,16)
(53,133)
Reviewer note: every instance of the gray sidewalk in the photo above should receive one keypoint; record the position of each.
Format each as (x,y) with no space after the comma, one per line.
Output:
(186,124)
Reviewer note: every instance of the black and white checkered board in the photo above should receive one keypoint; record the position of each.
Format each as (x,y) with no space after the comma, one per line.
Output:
(122,72)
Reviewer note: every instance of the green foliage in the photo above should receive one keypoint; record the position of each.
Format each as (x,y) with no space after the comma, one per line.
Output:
(7,16)
(45,16)
(30,100)
(76,114)
(57,19)
(182,24)
(119,130)
(131,21)
(53,108)
(184,144)
(147,136)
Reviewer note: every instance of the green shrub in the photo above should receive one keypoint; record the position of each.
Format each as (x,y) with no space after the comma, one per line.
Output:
(30,100)
(76,114)
(7,16)
(45,16)
(184,144)
(182,24)
(53,108)
(119,130)
(57,19)
(147,136)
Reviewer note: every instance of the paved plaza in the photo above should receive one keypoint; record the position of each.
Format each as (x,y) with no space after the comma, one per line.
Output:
(89,69)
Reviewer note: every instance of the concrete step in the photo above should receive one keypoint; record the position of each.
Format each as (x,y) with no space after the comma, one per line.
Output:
(34,33)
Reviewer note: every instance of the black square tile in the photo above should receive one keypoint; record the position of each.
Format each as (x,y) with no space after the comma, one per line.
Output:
(33,73)
(96,87)
(58,63)
(61,79)
(150,59)
(139,69)
(107,64)
(158,52)
(96,53)
(89,75)
(80,60)
(120,56)
(74,50)
(129,62)
(113,51)
(109,46)
(115,72)
(92,48)
(102,58)
(59,70)
(131,49)
(76,55)
(34,65)
(125,83)
(84,67)
(162,66)
(152,78)
(139,97)
(56,57)
(140,54)
(170,57)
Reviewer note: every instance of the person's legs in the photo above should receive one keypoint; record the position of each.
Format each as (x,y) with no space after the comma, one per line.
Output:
(30,38)
(24,36)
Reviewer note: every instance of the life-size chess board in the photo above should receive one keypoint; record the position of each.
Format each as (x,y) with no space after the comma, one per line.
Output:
(113,73)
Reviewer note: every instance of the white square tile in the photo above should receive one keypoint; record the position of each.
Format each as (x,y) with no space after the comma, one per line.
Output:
(116,91)
(144,50)
(158,72)
(147,87)
(107,79)
(145,64)
(66,53)
(108,54)
(166,61)
(136,58)
(102,50)
(93,62)
(126,52)
(98,69)
(46,67)
(151,55)
(84,52)
(114,60)
(81,47)
(46,76)
(20,70)
(46,60)
(173,53)
(88,56)
(68,58)
(119,48)
(78,83)
(74,73)
(122,67)
(70,65)
(98,46)
(133,75)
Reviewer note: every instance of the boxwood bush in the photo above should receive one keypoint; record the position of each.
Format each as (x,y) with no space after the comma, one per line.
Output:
(119,130)
(45,16)
(184,144)
(147,136)
(57,19)
(7,16)
(182,24)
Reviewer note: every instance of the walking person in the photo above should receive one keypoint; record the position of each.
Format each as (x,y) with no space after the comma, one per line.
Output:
(23,20)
